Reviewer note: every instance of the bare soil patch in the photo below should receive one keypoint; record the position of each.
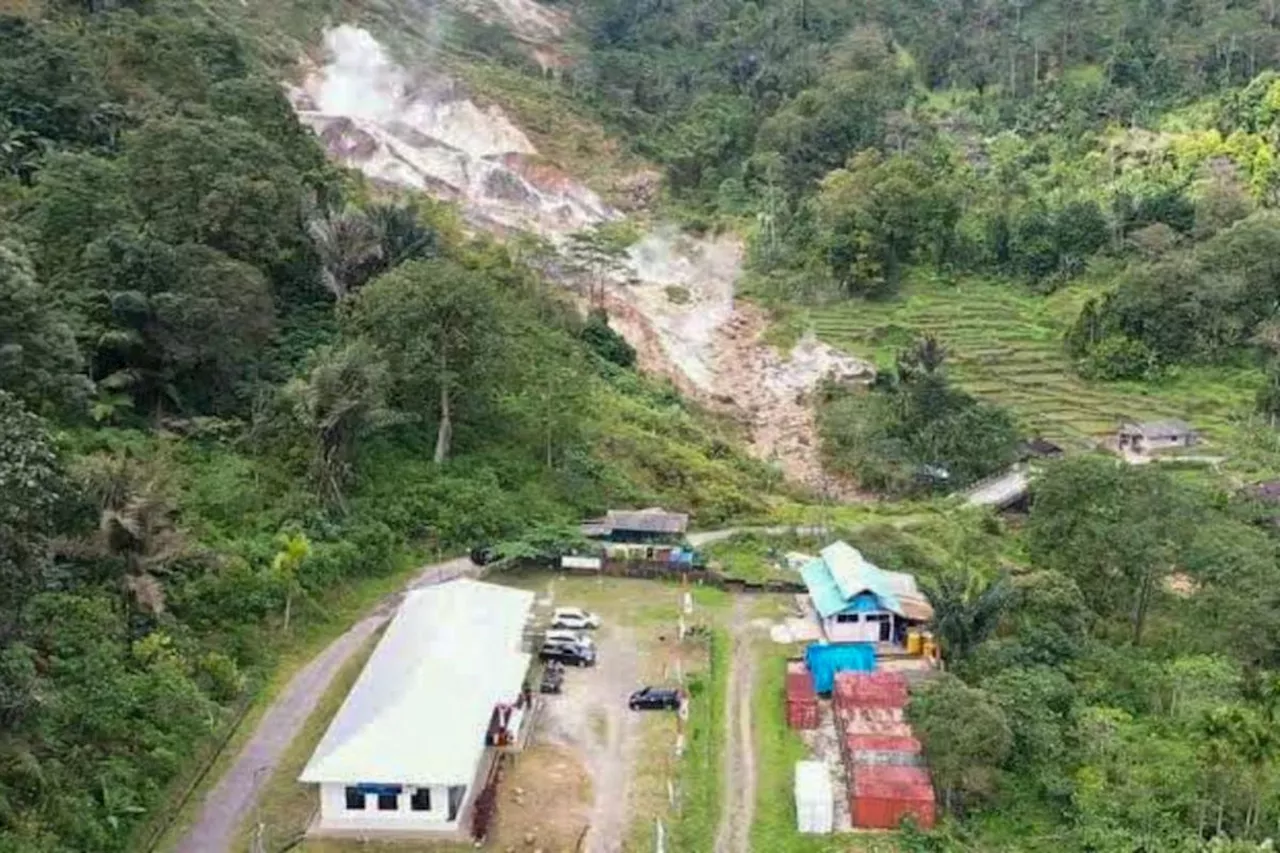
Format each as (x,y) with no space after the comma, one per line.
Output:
(545,796)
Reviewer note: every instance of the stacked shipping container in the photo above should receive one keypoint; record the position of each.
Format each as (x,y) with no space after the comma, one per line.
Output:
(802,700)
(887,777)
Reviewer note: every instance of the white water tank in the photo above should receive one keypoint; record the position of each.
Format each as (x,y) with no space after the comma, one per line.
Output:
(815,808)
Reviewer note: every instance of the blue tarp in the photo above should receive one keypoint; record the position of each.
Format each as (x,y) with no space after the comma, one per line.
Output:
(824,661)
(681,557)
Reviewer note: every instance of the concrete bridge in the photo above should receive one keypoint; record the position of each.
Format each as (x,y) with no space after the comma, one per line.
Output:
(1002,490)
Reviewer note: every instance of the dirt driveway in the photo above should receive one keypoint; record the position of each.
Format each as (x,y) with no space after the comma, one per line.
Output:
(739,795)
(591,718)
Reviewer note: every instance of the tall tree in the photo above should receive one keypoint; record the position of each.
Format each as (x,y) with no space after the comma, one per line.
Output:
(966,737)
(39,358)
(32,487)
(967,609)
(439,326)
(341,399)
(1118,530)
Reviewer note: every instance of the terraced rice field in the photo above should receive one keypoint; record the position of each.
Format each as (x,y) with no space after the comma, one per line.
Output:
(1006,346)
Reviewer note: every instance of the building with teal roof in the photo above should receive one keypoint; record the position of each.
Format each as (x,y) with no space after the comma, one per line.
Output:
(859,602)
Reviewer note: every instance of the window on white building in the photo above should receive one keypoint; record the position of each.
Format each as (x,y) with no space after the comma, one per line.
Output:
(355,800)
(846,617)
(388,802)
(421,800)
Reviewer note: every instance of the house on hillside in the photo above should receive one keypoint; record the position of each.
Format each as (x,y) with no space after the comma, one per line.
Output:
(1154,436)
(642,527)
(647,535)
(414,742)
(858,602)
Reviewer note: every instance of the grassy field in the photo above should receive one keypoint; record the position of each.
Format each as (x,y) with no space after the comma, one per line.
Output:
(1005,345)
(702,768)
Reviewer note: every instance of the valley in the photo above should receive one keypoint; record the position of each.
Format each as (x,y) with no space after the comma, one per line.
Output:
(716,322)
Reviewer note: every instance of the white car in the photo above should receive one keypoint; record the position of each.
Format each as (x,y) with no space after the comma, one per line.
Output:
(576,638)
(574,618)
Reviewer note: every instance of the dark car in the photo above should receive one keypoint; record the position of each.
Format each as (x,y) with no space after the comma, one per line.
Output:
(552,678)
(567,654)
(655,699)
(482,555)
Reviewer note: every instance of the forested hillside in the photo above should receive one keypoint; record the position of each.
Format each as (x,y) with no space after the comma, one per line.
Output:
(236,384)
(1119,154)
(240,386)
(1038,216)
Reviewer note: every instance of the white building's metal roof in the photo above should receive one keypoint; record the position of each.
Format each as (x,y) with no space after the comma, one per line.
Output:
(419,711)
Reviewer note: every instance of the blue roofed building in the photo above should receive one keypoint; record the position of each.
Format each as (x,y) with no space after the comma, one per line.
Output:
(859,602)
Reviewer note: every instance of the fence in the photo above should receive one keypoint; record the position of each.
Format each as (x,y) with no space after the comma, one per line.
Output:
(650,570)
(486,805)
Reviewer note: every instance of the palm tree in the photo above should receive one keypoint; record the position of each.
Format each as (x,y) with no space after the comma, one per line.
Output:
(349,247)
(295,548)
(135,524)
(923,358)
(967,609)
(401,236)
(342,398)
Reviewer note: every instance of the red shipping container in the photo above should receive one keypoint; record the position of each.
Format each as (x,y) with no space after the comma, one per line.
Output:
(870,690)
(882,795)
(883,743)
(873,721)
(799,682)
(802,715)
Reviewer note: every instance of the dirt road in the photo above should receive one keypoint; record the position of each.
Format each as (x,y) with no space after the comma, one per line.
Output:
(227,804)
(592,717)
(737,810)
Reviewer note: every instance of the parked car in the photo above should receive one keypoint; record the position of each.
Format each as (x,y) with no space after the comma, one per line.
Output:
(574,618)
(563,635)
(482,555)
(567,654)
(655,699)
(552,678)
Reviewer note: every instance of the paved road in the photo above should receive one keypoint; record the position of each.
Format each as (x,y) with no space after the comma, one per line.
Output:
(1001,491)
(707,537)
(228,803)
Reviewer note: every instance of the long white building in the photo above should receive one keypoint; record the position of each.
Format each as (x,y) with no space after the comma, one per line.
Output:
(407,751)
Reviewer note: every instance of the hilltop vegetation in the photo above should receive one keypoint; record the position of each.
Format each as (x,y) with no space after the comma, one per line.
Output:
(1122,152)
(236,382)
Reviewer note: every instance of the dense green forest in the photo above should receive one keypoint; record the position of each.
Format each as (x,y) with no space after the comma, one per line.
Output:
(1113,660)
(1031,141)
(233,379)
(1115,688)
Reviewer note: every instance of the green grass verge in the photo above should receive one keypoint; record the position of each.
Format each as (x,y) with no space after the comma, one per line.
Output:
(752,557)
(335,613)
(701,777)
(1005,345)
(285,806)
